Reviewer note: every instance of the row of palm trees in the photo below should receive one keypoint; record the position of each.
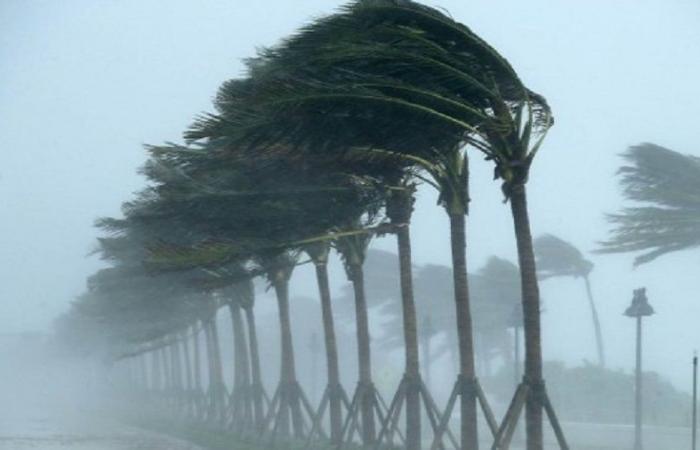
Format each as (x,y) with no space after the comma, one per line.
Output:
(321,146)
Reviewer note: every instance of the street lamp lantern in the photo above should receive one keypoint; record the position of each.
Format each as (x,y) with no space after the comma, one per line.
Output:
(640,306)
(638,309)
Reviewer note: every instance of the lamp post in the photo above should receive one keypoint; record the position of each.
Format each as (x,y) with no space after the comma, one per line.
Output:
(694,438)
(639,308)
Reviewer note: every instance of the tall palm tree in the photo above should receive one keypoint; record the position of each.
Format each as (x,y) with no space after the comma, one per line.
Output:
(399,209)
(666,218)
(353,250)
(246,298)
(558,258)
(319,252)
(240,406)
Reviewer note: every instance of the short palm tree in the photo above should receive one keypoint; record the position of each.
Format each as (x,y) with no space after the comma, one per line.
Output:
(664,184)
(558,258)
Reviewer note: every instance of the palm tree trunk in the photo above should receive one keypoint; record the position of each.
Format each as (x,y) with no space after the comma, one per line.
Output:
(167,379)
(596,323)
(177,369)
(364,355)
(155,371)
(212,387)
(188,371)
(211,398)
(410,329)
(197,370)
(531,316)
(335,405)
(241,360)
(470,439)
(288,379)
(255,372)
(219,373)
(143,371)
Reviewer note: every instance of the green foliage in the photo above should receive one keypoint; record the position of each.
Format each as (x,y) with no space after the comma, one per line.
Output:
(394,80)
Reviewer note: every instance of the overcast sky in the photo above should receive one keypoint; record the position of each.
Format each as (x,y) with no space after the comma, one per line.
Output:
(84,84)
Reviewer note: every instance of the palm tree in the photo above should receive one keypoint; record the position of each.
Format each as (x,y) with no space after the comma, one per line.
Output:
(270,207)
(246,299)
(319,252)
(241,403)
(664,184)
(558,258)
(353,250)
(399,208)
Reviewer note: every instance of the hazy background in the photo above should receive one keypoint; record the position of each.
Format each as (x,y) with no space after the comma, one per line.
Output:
(83,84)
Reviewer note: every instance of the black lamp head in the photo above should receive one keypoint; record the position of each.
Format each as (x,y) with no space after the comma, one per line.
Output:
(640,306)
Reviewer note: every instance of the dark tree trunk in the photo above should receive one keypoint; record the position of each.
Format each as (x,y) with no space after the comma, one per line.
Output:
(155,371)
(531,316)
(256,382)
(196,370)
(364,355)
(335,400)
(468,408)
(188,370)
(177,368)
(410,329)
(167,378)
(216,385)
(211,398)
(241,360)
(596,323)
(219,373)
(288,379)
(143,371)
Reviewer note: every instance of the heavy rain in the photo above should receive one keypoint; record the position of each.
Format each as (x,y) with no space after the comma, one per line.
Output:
(363,224)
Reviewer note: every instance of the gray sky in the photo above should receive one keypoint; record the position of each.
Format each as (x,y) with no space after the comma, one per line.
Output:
(83,84)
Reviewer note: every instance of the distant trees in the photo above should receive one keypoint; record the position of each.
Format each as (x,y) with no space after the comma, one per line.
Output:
(558,258)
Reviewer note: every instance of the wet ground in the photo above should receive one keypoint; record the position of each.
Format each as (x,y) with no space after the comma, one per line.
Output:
(48,404)
(78,430)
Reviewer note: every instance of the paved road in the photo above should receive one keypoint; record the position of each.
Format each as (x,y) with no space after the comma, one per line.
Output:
(585,436)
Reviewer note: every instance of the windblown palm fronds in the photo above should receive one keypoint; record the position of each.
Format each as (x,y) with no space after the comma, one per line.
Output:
(666,186)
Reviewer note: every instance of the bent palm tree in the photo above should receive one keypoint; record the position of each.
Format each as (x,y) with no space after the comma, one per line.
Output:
(399,78)
(558,258)
(666,184)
